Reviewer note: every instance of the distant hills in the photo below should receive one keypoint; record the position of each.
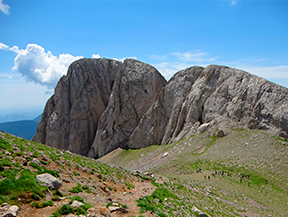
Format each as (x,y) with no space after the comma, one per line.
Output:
(25,128)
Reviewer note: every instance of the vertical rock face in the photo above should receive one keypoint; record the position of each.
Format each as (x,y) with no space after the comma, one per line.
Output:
(84,105)
(136,87)
(199,99)
(104,104)
(71,115)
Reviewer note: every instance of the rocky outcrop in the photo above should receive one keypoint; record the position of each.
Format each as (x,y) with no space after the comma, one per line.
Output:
(135,89)
(104,104)
(49,180)
(197,99)
(71,115)
(84,105)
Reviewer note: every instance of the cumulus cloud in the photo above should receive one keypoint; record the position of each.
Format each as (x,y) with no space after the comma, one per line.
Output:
(4,7)
(124,58)
(39,66)
(96,56)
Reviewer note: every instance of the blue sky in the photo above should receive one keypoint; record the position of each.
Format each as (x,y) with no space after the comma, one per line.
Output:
(39,39)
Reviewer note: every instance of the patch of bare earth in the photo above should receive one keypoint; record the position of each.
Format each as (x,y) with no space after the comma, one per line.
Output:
(103,192)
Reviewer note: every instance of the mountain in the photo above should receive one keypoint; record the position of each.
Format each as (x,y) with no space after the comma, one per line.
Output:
(104,104)
(25,129)
(37,119)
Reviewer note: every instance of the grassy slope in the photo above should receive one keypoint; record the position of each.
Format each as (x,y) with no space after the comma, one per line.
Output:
(92,181)
(262,156)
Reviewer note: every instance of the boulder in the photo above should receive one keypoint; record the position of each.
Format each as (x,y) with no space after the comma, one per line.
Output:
(36,161)
(12,211)
(220,133)
(49,180)
(200,213)
(76,204)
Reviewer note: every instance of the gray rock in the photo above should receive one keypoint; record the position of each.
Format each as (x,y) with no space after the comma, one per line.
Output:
(12,211)
(136,88)
(70,118)
(36,161)
(220,133)
(116,209)
(104,104)
(49,180)
(221,96)
(76,204)
(201,214)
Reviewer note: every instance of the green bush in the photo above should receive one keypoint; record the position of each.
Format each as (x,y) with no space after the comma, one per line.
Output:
(36,166)
(148,203)
(76,189)
(66,209)
(3,199)
(5,145)
(42,204)
(26,182)
(129,185)
(81,211)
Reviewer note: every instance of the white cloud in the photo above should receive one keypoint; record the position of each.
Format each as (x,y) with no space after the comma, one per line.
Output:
(268,72)
(124,58)
(170,63)
(4,7)
(3,46)
(39,66)
(96,56)
(233,2)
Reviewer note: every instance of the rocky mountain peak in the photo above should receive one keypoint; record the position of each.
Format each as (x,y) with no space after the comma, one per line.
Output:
(104,104)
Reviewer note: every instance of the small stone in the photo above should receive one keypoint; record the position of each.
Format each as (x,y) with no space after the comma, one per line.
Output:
(12,211)
(76,204)
(165,154)
(36,161)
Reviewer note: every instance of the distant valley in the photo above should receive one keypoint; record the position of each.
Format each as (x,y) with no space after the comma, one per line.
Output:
(25,128)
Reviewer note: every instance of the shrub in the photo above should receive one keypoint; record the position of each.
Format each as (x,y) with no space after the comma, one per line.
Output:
(66,209)
(129,185)
(76,189)
(78,198)
(42,204)
(5,145)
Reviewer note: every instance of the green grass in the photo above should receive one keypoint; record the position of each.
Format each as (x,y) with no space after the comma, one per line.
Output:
(77,189)
(42,204)
(26,182)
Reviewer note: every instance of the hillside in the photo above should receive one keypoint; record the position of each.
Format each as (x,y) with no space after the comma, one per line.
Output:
(103,190)
(254,165)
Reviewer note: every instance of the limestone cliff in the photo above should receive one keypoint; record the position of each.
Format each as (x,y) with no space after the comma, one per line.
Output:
(84,101)
(71,115)
(197,99)
(104,104)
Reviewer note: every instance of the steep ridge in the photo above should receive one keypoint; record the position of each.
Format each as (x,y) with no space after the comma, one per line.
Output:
(84,101)
(104,104)
(71,115)
(197,99)
(135,90)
